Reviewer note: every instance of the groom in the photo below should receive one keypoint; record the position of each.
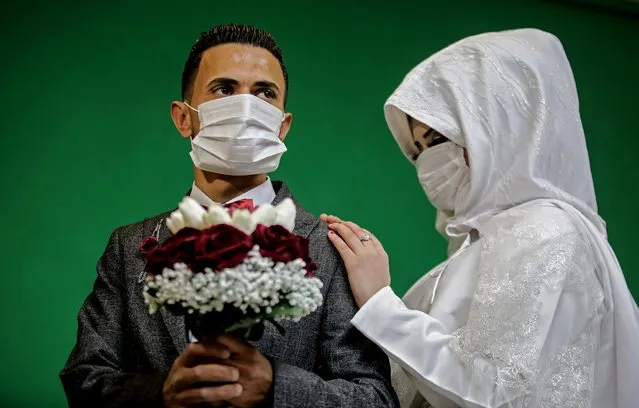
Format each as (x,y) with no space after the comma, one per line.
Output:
(234,89)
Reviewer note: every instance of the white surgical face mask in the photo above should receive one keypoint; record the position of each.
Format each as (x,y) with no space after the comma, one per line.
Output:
(239,136)
(443,172)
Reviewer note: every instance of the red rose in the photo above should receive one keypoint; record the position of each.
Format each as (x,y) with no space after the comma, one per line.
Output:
(178,248)
(279,244)
(221,246)
(148,244)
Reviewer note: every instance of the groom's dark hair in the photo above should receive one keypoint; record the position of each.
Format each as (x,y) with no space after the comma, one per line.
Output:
(228,34)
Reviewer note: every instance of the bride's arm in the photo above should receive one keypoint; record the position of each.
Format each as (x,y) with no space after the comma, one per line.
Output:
(495,360)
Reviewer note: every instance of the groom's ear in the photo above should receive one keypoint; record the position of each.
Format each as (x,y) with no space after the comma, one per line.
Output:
(285,126)
(181,115)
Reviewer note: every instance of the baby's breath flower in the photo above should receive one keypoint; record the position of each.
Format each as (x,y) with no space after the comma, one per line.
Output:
(257,284)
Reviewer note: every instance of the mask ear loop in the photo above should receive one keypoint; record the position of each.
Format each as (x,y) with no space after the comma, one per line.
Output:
(194,110)
(190,107)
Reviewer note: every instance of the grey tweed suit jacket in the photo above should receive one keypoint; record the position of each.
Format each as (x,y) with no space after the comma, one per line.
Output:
(123,354)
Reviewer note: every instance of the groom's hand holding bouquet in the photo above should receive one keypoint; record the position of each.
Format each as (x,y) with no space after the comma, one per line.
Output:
(229,272)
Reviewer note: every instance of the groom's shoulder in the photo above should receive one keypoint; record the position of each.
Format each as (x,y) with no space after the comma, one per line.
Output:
(132,234)
(143,223)
(306,223)
(315,230)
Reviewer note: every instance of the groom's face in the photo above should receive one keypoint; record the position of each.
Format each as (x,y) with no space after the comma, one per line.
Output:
(232,69)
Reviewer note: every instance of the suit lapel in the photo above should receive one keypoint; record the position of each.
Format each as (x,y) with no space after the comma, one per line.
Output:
(174,324)
(305,222)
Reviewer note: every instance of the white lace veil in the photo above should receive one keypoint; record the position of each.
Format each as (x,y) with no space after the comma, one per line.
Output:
(510,98)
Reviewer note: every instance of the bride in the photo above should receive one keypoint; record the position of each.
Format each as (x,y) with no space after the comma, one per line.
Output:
(531,308)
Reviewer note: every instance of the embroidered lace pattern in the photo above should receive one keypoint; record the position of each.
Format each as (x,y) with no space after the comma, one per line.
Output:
(501,338)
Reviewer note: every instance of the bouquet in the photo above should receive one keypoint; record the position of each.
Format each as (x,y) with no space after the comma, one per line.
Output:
(230,271)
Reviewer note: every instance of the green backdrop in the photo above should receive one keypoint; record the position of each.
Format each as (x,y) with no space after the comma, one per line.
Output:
(87,141)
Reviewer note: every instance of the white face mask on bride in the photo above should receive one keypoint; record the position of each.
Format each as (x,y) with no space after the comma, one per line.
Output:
(443,172)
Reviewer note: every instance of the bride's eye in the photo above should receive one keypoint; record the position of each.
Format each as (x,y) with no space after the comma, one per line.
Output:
(437,139)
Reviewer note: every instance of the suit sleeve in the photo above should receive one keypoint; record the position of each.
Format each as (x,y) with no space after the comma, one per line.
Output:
(96,372)
(352,371)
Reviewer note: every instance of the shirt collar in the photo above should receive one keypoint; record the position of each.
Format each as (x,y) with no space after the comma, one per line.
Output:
(262,194)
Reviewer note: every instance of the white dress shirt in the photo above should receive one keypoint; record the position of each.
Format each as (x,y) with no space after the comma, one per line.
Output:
(262,194)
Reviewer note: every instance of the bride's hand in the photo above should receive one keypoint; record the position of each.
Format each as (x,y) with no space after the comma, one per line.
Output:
(365,260)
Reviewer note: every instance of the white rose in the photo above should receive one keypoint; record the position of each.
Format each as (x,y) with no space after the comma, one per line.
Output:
(243,220)
(192,212)
(216,214)
(286,214)
(175,222)
(265,214)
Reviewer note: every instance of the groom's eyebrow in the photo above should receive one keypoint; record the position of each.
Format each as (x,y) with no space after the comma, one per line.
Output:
(267,84)
(222,81)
